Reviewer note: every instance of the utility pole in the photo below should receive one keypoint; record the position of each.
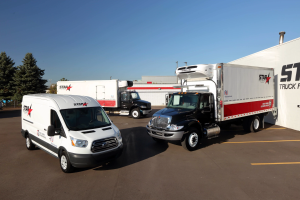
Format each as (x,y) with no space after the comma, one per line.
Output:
(110,77)
(185,63)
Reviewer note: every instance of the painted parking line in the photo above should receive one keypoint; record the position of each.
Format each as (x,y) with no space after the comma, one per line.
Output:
(280,163)
(262,141)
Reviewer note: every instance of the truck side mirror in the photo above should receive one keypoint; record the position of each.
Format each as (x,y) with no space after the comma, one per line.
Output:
(51,130)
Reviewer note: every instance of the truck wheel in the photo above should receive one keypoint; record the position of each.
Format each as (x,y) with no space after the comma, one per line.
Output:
(135,113)
(158,140)
(65,163)
(29,144)
(255,124)
(191,140)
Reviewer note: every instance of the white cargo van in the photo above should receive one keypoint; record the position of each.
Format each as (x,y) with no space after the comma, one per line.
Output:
(73,128)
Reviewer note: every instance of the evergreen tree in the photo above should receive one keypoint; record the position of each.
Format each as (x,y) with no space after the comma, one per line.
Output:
(7,71)
(28,78)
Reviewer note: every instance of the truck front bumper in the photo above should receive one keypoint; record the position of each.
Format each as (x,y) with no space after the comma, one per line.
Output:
(165,135)
(145,112)
(94,159)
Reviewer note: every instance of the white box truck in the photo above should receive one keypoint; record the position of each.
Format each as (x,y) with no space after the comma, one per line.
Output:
(214,96)
(74,129)
(110,94)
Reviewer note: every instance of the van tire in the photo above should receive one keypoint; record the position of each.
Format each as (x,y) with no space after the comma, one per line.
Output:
(191,140)
(29,144)
(135,113)
(65,163)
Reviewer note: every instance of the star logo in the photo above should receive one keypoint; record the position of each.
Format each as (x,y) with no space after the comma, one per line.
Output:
(29,111)
(84,104)
(268,78)
(69,87)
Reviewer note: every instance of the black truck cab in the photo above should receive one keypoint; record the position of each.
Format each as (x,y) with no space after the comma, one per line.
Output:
(188,117)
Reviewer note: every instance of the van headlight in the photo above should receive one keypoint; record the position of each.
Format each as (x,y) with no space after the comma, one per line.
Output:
(78,143)
(174,127)
(119,136)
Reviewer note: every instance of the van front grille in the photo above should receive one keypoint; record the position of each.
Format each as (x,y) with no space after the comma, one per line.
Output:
(104,144)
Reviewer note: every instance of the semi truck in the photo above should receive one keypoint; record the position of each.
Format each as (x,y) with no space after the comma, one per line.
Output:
(212,97)
(110,94)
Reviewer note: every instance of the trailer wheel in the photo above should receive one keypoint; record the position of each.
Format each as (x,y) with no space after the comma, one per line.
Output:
(29,144)
(135,113)
(255,124)
(65,163)
(191,140)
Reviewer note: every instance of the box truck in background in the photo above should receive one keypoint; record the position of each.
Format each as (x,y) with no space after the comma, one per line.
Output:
(110,94)
(214,96)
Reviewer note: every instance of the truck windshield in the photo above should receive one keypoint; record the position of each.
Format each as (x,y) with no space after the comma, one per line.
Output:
(85,118)
(135,96)
(185,101)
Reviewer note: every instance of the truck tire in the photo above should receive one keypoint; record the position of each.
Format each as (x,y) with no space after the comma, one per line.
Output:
(29,144)
(65,163)
(158,140)
(251,124)
(255,124)
(135,113)
(191,140)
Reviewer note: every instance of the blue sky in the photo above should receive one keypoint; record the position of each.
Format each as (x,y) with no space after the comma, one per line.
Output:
(127,39)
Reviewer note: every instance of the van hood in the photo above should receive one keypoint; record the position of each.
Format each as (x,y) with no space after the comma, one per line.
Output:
(96,134)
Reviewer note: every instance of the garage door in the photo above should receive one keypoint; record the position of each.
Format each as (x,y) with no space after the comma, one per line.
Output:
(156,98)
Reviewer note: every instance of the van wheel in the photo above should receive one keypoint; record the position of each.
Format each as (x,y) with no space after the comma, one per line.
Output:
(65,163)
(191,140)
(29,144)
(135,113)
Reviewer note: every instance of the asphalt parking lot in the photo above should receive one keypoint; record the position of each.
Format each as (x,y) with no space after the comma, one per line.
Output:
(262,165)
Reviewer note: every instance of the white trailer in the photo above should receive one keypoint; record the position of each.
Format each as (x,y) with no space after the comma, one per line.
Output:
(110,94)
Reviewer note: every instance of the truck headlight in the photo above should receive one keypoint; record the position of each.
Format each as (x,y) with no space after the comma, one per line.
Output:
(78,143)
(174,127)
(143,106)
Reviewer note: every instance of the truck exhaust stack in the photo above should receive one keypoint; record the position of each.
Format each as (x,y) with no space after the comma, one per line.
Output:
(281,37)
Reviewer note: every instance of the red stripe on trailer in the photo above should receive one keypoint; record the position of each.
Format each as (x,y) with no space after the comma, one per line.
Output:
(152,88)
(107,103)
(248,108)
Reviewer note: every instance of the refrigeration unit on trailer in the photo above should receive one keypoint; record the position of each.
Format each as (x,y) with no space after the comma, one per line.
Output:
(214,96)
(110,94)
(73,128)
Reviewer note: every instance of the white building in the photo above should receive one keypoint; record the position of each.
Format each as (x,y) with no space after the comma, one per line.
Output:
(285,59)
(156,89)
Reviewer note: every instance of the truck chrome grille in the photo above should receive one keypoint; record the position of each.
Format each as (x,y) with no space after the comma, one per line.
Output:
(148,105)
(104,144)
(160,122)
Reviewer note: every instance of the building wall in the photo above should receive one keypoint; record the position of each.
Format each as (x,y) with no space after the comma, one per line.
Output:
(154,93)
(287,92)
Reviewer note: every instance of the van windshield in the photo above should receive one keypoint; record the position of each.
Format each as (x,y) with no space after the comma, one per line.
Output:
(85,118)
(184,101)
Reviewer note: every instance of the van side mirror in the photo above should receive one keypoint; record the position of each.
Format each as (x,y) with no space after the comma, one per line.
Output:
(51,130)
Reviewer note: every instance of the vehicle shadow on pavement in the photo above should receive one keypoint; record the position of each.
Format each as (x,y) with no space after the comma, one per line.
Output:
(138,146)
(10,113)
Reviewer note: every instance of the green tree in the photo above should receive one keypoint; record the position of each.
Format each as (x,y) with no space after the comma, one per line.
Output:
(28,78)
(7,71)
(63,79)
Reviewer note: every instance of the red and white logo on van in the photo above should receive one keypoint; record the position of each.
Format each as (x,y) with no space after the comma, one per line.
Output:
(28,110)
(81,104)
